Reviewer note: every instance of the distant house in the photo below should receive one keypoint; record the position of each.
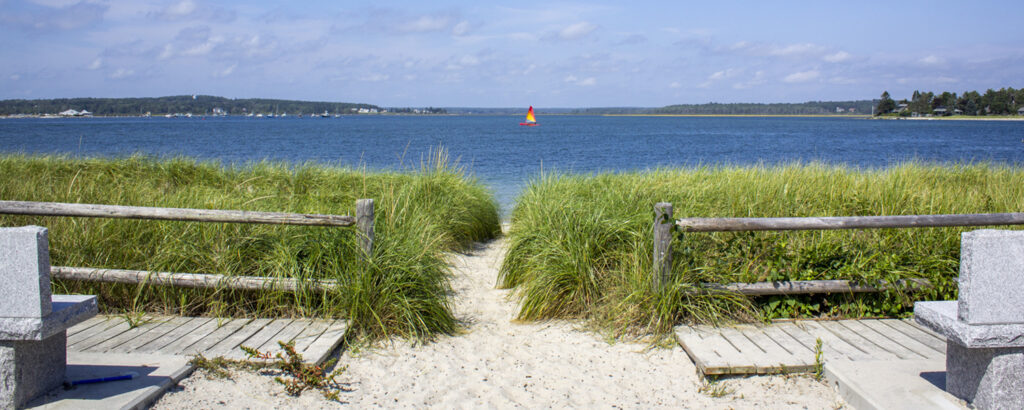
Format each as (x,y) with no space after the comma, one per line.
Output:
(940,111)
(1020,111)
(69,113)
(901,108)
(851,110)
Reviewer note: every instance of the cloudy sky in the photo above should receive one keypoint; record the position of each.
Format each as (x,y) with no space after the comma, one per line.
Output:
(486,54)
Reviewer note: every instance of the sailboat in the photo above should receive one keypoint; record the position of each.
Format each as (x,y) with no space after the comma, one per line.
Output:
(531,121)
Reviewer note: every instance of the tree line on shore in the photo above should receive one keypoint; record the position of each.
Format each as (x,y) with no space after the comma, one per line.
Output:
(1005,101)
(858,107)
(195,104)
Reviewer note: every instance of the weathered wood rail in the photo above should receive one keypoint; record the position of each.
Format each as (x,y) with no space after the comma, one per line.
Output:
(664,224)
(364,222)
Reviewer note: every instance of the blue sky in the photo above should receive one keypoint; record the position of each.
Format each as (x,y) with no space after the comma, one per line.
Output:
(489,54)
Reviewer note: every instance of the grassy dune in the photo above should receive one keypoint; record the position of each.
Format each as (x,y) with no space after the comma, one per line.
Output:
(580,246)
(402,290)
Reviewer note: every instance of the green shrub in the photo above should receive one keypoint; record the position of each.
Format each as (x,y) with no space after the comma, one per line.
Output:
(581,246)
(401,290)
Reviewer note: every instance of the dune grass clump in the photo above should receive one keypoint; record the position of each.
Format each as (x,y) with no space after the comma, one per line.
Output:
(581,246)
(400,290)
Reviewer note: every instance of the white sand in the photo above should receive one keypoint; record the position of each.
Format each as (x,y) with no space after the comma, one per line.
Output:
(500,364)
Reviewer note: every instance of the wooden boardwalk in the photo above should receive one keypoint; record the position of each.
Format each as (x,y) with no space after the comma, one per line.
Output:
(212,337)
(789,346)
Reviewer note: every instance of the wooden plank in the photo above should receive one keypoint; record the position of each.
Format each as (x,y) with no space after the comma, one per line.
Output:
(267,333)
(285,335)
(169,325)
(880,340)
(171,214)
(858,341)
(189,280)
(108,321)
(762,361)
(230,344)
(207,329)
(188,326)
(208,344)
(834,346)
(785,361)
(797,332)
(914,332)
(901,339)
(310,334)
(321,349)
(118,326)
(846,222)
(86,324)
(788,342)
(124,337)
(701,345)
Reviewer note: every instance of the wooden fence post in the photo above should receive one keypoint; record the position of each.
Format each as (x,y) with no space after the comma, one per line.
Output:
(364,222)
(663,223)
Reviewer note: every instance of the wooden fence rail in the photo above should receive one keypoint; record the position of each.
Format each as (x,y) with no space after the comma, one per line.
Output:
(171,214)
(364,221)
(663,224)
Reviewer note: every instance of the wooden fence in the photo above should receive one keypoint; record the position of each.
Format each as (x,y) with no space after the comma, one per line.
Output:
(664,225)
(364,222)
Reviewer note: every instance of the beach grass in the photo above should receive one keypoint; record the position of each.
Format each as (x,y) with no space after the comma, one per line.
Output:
(581,245)
(401,290)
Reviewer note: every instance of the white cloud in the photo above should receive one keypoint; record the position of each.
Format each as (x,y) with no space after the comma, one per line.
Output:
(675,84)
(931,60)
(727,73)
(121,73)
(577,31)
(802,76)
(775,50)
(96,64)
(584,82)
(14,77)
(426,24)
(756,80)
(461,29)
(375,77)
(182,8)
(837,57)
(166,52)
(469,60)
(227,71)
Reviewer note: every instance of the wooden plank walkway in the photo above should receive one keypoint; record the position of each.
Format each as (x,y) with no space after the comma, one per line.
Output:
(177,335)
(788,346)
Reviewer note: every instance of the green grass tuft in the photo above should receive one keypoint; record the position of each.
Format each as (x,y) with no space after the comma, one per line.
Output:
(581,246)
(402,290)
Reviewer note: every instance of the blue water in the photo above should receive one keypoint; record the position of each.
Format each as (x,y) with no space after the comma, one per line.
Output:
(505,155)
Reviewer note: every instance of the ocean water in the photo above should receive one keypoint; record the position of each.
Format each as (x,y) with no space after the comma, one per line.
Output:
(505,156)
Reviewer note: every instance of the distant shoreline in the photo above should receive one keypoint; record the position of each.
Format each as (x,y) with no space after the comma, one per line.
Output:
(742,115)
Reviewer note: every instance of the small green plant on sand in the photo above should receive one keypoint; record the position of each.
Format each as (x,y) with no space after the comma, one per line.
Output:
(819,363)
(713,388)
(216,367)
(299,376)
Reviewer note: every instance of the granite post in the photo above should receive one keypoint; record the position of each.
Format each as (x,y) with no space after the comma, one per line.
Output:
(985,326)
(33,322)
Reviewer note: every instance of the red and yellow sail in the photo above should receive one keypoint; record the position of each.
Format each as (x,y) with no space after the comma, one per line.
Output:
(530,119)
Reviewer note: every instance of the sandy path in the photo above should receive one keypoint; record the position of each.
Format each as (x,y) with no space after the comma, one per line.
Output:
(500,364)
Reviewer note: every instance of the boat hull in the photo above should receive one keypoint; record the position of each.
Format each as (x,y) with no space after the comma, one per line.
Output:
(529,124)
